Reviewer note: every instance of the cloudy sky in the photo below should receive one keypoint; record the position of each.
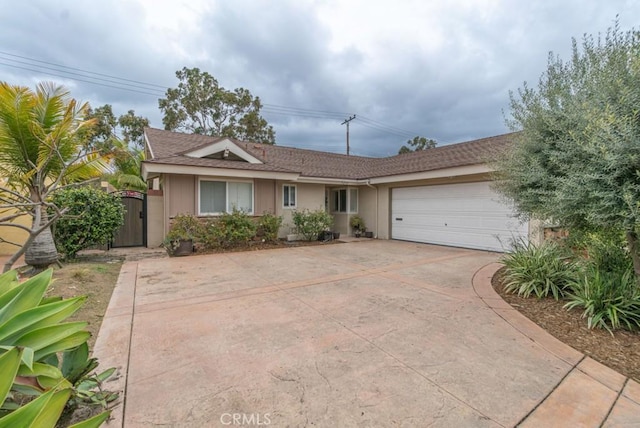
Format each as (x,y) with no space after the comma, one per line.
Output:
(440,69)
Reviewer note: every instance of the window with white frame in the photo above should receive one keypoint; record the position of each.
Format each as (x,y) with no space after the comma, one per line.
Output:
(344,201)
(217,197)
(289,196)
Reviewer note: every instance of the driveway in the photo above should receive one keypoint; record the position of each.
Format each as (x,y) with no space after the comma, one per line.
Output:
(375,333)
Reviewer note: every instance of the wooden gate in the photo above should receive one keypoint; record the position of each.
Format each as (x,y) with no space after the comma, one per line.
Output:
(133,231)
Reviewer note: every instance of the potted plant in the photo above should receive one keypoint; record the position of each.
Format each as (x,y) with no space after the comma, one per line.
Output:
(184,229)
(357,223)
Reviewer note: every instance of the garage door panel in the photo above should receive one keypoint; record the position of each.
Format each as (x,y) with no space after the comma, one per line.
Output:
(470,239)
(467,215)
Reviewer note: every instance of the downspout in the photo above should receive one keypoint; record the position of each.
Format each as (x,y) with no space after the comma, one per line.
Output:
(377,208)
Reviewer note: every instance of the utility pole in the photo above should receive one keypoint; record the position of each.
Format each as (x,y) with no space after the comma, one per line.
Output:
(346,121)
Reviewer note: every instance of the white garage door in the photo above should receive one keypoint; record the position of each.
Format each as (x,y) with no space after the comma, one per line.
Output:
(468,215)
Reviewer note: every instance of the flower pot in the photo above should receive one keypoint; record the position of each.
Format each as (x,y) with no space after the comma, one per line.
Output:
(184,248)
(368,234)
(336,235)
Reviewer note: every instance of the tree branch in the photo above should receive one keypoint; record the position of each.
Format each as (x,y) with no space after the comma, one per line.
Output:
(7,219)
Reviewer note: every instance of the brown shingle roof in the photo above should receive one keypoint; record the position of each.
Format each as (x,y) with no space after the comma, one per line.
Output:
(453,155)
(169,148)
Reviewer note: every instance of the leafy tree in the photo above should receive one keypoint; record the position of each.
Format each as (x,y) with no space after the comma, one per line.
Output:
(132,129)
(122,139)
(127,127)
(200,105)
(43,148)
(416,144)
(576,160)
(92,218)
(100,135)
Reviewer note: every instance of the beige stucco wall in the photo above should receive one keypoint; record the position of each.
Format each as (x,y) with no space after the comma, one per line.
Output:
(14,234)
(180,191)
(367,199)
(374,203)
(384,212)
(366,210)
(264,196)
(155,218)
(180,196)
(309,196)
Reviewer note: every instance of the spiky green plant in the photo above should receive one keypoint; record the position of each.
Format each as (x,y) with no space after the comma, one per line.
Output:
(542,270)
(32,333)
(610,299)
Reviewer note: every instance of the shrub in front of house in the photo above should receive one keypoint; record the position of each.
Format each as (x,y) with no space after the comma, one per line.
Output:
(269,226)
(543,270)
(310,224)
(92,218)
(229,230)
(184,228)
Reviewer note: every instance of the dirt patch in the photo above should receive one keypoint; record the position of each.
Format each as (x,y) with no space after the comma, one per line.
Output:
(96,280)
(621,351)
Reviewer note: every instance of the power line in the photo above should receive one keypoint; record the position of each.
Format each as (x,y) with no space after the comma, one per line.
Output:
(79,69)
(386,130)
(383,125)
(145,88)
(81,75)
(76,79)
(299,114)
(298,109)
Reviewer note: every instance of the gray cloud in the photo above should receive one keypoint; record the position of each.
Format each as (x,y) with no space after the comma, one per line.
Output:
(448,80)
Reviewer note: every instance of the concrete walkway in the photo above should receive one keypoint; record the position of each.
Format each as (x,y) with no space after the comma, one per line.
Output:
(376,333)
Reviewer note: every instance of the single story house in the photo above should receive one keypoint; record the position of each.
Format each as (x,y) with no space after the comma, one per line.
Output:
(440,196)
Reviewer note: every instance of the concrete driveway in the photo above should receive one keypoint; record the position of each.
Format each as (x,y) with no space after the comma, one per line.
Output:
(375,333)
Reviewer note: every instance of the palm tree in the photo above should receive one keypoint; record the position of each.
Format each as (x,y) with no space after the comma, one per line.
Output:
(126,167)
(41,150)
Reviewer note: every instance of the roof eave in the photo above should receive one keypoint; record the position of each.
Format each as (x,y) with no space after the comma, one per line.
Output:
(457,171)
(325,180)
(149,168)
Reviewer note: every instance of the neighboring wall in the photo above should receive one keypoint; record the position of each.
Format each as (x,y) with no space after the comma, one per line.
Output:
(14,234)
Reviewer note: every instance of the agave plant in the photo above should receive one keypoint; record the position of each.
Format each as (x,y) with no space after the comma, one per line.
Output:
(34,388)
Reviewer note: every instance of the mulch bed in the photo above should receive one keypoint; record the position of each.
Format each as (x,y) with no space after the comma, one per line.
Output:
(620,351)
